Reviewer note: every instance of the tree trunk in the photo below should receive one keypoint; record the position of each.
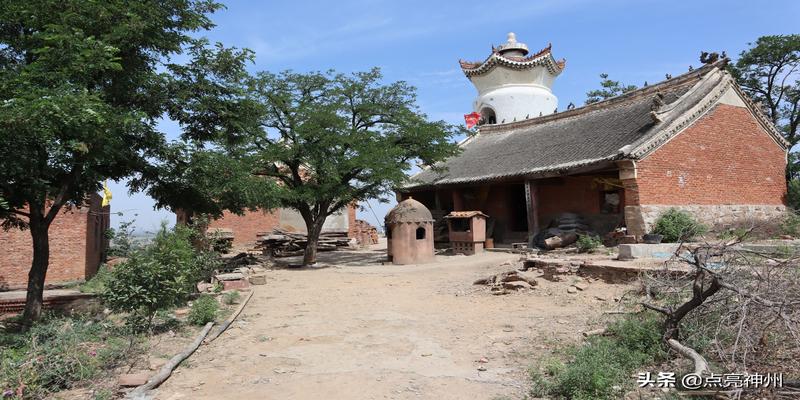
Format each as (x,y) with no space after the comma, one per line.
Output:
(199,223)
(673,321)
(41,259)
(314,229)
(184,217)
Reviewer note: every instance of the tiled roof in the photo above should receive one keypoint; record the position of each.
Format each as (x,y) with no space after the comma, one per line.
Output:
(543,57)
(464,214)
(629,126)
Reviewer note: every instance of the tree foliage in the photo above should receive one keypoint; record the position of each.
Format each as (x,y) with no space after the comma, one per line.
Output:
(608,89)
(81,86)
(769,72)
(206,172)
(333,139)
(204,181)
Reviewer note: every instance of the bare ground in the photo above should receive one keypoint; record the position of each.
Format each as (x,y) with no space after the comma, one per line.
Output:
(390,332)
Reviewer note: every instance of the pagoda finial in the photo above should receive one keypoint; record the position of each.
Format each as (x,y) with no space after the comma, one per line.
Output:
(513,47)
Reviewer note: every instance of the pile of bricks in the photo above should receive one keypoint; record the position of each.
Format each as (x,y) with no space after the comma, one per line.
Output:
(365,233)
(281,243)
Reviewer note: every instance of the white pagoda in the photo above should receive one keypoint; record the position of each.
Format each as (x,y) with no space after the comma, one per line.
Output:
(512,85)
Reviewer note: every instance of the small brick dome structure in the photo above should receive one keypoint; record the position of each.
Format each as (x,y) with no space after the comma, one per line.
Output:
(409,233)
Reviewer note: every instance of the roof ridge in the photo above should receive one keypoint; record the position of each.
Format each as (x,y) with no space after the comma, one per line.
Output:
(643,91)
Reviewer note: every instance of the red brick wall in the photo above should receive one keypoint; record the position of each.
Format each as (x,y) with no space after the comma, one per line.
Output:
(245,227)
(579,195)
(76,247)
(506,204)
(725,157)
(582,195)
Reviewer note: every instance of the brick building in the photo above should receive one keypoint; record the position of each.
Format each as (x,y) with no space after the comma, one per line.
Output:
(693,142)
(246,227)
(77,247)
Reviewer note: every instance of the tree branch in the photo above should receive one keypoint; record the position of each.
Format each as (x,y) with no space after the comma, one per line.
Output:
(700,363)
(18,212)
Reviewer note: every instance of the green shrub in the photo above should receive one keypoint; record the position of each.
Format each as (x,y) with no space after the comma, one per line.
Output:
(203,311)
(220,243)
(59,352)
(121,243)
(793,194)
(732,233)
(791,224)
(592,370)
(231,297)
(588,243)
(158,277)
(542,378)
(677,225)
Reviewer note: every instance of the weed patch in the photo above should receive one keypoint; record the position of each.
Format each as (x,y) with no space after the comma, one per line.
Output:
(594,369)
(588,243)
(59,353)
(203,311)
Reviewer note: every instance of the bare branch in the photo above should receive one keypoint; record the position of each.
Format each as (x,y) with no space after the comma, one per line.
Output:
(700,363)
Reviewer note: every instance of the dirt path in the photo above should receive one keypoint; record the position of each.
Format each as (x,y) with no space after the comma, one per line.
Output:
(388,332)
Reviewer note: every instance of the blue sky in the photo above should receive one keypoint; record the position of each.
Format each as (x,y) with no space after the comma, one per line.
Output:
(422,41)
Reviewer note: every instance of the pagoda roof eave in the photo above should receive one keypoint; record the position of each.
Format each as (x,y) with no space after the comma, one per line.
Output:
(542,58)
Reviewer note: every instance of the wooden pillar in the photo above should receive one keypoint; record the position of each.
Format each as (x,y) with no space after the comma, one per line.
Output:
(531,206)
(458,201)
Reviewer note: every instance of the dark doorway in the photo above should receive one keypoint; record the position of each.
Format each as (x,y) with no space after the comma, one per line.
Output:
(519,209)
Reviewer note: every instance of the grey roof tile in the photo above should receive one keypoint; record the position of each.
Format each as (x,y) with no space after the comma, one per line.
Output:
(583,136)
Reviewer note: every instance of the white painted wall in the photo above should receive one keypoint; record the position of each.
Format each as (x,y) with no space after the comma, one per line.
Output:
(292,221)
(515,94)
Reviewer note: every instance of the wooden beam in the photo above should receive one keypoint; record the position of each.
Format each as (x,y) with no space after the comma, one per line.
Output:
(531,206)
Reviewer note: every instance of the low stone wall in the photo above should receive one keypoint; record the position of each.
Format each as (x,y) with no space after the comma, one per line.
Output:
(640,219)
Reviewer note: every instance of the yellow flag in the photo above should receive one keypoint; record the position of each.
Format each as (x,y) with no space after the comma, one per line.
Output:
(106,194)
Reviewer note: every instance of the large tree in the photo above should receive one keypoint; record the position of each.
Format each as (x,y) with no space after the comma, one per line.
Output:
(608,89)
(769,71)
(81,86)
(207,171)
(197,181)
(331,140)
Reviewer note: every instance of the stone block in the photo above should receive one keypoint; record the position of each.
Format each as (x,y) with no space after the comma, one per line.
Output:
(237,284)
(131,380)
(258,280)
(628,239)
(643,250)
(203,287)
(181,312)
(229,277)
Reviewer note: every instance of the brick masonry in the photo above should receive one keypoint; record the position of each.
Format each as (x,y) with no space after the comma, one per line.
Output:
(582,195)
(722,168)
(711,215)
(77,247)
(246,227)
